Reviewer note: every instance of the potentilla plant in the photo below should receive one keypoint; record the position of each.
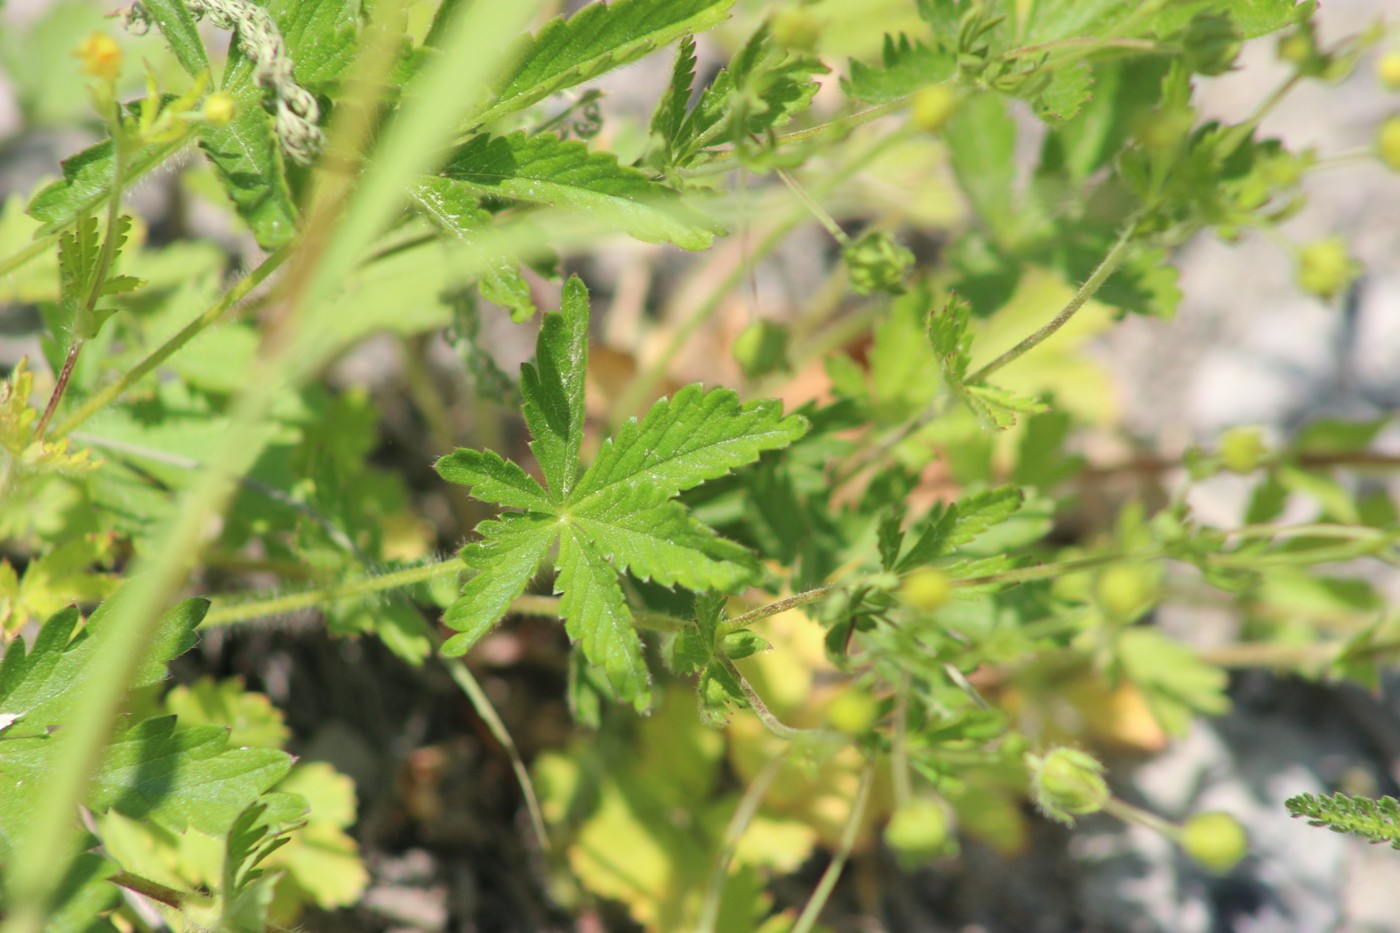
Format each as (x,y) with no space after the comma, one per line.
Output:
(886,599)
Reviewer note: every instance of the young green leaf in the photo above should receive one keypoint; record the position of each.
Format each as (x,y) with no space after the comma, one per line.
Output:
(597,39)
(619,516)
(670,111)
(907,67)
(951,341)
(560,173)
(174,21)
(763,87)
(955,525)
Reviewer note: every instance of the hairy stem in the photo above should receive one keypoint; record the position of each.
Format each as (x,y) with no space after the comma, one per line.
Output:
(104,266)
(106,396)
(1105,268)
(60,386)
(770,722)
(235,613)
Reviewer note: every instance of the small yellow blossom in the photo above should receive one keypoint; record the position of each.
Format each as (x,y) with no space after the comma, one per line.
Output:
(100,55)
(220,108)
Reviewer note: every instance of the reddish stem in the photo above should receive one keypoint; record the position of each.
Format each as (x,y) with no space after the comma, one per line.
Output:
(59,387)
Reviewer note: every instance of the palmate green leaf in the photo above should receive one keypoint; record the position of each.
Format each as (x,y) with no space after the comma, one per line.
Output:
(649,534)
(506,557)
(1254,17)
(597,618)
(597,39)
(564,174)
(619,517)
(494,479)
(1176,684)
(683,441)
(176,779)
(981,138)
(552,387)
(187,778)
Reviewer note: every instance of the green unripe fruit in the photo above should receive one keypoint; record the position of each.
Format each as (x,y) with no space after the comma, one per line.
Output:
(1325,267)
(918,832)
(1215,841)
(853,712)
(1124,591)
(1242,450)
(1066,783)
(932,107)
(1388,143)
(1388,70)
(927,590)
(761,348)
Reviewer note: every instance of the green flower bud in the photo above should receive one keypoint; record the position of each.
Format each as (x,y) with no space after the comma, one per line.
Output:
(854,712)
(1242,450)
(918,832)
(927,590)
(877,263)
(932,107)
(1325,267)
(219,109)
(1215,841)
(1388,143)
(1066,783)
(1211,43)
(741,644)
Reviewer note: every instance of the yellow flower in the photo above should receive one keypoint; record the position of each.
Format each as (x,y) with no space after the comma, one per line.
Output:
(100,55)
